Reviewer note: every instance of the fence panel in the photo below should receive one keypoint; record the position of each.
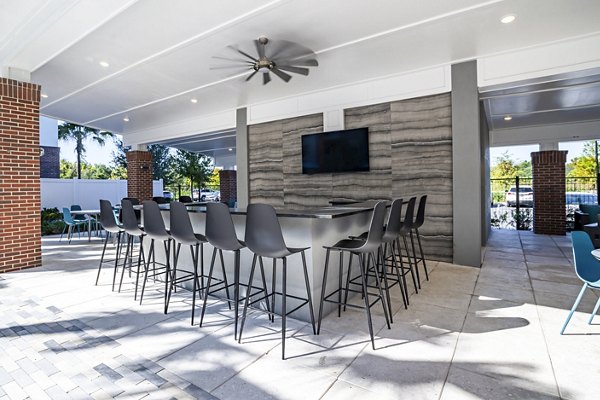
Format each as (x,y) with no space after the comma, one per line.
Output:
(87,193)
(579,190)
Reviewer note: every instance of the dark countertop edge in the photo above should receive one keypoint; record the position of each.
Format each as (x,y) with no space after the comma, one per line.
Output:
(319,213)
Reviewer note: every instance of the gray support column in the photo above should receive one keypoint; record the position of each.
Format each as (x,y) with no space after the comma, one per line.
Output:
(486,195)
(466,165)
(241,152)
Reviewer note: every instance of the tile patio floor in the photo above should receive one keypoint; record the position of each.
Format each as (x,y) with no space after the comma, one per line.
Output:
(470,333)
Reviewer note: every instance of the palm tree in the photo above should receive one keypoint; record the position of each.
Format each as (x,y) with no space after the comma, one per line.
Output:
(68,131)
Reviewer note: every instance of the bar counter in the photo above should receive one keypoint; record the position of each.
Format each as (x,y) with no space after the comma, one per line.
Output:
(311,227)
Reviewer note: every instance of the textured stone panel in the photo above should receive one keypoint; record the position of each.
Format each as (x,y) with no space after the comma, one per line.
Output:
(421,142)
(265,159)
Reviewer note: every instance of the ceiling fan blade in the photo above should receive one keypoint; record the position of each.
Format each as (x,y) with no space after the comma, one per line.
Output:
(310,62)
(260,48)
(296,70)
(266,78)
(284,49)
(251,75)
(237,60)
(243,53)
(281,74)
(240,67)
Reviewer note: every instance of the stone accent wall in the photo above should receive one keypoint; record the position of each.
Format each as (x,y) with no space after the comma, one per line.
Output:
(50,162)
(228,186)
(548,169)
(20,241)
(410,154)
(139,174)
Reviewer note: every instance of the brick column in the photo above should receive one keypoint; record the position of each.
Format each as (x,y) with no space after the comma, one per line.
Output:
(549,192)
(139,174)
(20,232)
(228,179)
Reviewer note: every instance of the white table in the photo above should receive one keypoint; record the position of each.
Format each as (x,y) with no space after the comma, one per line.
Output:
(94,213)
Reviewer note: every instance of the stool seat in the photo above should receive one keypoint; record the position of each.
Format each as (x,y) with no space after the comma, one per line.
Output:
(355,245)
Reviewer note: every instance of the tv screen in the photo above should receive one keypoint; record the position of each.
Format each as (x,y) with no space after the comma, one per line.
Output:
(337,151)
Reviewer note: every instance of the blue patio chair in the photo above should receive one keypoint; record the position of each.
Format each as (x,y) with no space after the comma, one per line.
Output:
(70,223)
(587,268)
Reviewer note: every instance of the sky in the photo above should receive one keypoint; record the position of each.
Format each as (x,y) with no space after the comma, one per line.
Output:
(523,153)
(95,154)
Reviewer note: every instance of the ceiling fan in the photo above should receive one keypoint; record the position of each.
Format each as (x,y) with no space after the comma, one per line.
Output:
(279,57)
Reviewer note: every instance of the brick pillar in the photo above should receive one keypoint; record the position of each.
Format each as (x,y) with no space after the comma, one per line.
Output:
(20,232)
(228,179)
(549,192)
(139,174)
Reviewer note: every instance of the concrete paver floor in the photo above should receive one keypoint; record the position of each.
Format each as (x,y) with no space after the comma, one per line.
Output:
(470,333)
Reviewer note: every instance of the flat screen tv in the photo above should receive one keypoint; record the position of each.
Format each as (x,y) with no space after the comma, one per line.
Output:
(337,151)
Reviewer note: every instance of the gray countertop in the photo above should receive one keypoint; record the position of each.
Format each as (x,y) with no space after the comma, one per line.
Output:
(317,212)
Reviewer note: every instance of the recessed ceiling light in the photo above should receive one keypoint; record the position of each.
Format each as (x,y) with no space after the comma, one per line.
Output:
(104,64)
(44,95)
(507,19)
(194,100)
(230,149)
(507,118)
(126,119)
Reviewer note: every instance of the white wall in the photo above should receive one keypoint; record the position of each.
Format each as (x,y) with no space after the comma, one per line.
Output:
(87,193)
(588,130)
(48,132)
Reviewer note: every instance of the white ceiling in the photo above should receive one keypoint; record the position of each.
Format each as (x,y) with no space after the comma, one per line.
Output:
(160,53)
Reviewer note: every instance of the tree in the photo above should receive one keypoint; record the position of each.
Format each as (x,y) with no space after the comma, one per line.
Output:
(68,131)
(584,165)
(194,166)
(162,161)
(507,168)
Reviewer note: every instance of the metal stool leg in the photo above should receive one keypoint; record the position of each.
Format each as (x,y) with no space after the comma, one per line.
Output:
(324,285)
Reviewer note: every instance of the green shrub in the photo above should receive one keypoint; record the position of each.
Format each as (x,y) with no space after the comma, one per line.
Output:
(52,221)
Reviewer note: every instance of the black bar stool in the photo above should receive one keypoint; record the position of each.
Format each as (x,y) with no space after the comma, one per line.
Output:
(183,234)
(365,250)
(110,225)
(419,220)
(154,226)
(265,239)
(133,230)
(220,233)
(405,231)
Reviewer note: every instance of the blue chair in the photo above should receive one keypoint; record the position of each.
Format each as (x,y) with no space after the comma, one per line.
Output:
(70,223)
(587,268)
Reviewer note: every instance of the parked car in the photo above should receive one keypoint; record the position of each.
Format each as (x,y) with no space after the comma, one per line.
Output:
(525,196)
(207,194)
(168,195)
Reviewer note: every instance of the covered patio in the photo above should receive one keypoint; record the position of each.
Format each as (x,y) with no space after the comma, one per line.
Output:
(469,333)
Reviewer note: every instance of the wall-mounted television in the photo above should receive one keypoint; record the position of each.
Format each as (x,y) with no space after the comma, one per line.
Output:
(337,151)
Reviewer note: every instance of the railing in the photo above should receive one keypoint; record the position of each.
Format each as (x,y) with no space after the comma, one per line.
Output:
(581,189)
(181,190)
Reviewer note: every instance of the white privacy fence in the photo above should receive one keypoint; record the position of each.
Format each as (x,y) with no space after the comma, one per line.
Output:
(87,193)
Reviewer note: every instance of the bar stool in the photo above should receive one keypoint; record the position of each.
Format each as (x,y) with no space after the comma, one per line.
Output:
(133,230)
(220,233)
(365,250)
(390,235)
(183,233)
(154,226)
(405,231)
(110,225)
(419,220)
(265,239)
